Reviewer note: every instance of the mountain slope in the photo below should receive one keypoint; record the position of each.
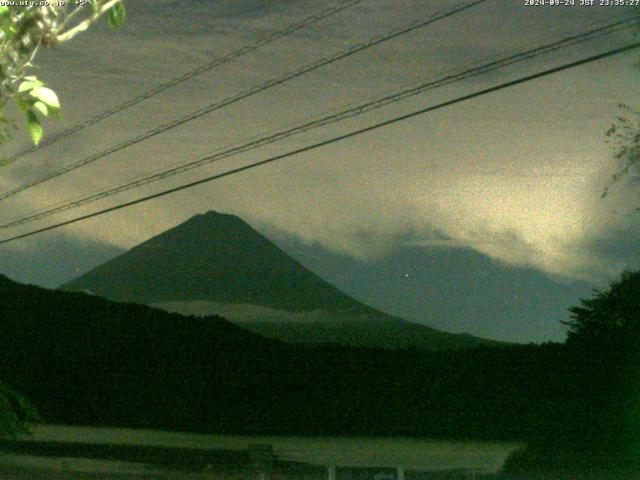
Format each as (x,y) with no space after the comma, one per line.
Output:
(214,257)
(216,263)
(369,329)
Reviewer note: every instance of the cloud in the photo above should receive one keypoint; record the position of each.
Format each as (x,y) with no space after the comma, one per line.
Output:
(515,175)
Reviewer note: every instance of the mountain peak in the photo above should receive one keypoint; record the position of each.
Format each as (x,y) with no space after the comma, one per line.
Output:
(205,226)
(211,234)
(213,257)
(213,216)
(216,214)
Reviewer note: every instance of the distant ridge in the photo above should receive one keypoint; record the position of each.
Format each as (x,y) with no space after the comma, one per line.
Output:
(216,263)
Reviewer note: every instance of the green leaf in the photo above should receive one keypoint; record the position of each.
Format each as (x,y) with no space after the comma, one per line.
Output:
(46,95)
(7,27)
(34,127)
(41,107)
(4,10)
(116,15)
(30,85)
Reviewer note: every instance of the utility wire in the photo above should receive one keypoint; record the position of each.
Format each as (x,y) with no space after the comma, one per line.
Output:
(205,67)
(377,40)
(329,119)
(339,138)
(325,119)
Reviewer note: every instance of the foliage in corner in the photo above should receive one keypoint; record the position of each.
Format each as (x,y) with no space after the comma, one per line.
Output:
(25,29)
(599,434)
(625,134)
(609,318)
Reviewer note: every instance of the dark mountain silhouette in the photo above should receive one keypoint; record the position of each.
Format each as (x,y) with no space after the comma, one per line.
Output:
(218,264)
(213,257)
(85,360)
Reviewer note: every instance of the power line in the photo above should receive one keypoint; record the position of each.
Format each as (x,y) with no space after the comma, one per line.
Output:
(339,138)
(205,67)
(330,119)
(377,40)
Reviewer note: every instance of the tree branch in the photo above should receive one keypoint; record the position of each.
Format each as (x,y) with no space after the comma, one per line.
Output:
(85,24)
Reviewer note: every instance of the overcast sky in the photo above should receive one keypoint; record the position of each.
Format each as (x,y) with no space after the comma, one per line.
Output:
(506,186)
